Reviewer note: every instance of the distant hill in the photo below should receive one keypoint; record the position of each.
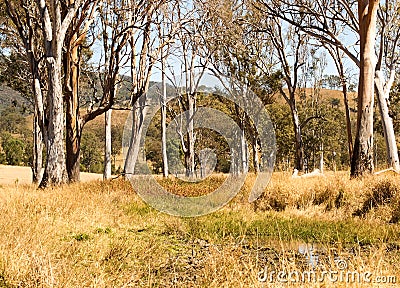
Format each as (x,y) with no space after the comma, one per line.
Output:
(12,98)
(325,94)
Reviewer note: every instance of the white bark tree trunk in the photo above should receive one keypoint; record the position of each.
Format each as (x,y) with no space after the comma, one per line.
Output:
(256,162)
(107,145)
(244,151)
(164,118)
(138,114)
(298,138)
(190,157)
(31,43)
(55,26)
(387,122)
(321,159)
(38,133)
(55,172)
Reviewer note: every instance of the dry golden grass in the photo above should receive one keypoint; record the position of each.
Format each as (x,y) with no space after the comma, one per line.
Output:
(23,175)
(191,189)
(100,234)
(325,94)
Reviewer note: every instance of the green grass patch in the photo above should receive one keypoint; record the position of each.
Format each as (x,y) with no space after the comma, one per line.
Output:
(100,230)
(81,237)
(138,208)
(271,226)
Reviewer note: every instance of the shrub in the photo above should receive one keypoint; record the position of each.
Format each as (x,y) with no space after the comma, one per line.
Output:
(381,193)
(274,198)
(14,150)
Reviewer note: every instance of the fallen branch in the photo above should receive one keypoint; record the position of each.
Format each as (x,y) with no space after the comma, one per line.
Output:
(315,173)
(391,169)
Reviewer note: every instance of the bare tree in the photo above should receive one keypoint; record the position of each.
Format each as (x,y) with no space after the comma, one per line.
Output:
(362,160)
(337,56)
(164,54)
(55,25)
(23,17)
(115,34)
(291,78)
(241,60)
(72,58)
(194,62)
(107,145)
(56,19)
(388,60)
(291,52)
(62,30)
(145,52)
(316,18)
(140,76)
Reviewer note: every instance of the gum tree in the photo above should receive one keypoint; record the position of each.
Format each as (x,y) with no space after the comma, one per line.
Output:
(316,18)
(26,29)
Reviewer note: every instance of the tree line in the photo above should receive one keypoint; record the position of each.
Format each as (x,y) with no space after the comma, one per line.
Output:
(80,52)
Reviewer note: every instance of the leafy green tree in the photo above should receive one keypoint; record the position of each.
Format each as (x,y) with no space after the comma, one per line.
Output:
(91,152)
(153,145)
(331,82)
(15,74)
(395,107)
(2,158)
(324,130)
(12,121)
(116,140)
(281,118)
(174,149)
(14,150)
(116,144)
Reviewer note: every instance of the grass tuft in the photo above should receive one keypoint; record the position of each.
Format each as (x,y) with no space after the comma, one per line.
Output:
(81,237)
(381,193)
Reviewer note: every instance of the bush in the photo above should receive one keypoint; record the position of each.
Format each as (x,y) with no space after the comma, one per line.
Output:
(14,150)
(91,153)
(2,157)
(381,193)
(274,198)
(301,194)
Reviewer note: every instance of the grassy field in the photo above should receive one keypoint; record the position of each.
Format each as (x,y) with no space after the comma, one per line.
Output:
(101,234)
